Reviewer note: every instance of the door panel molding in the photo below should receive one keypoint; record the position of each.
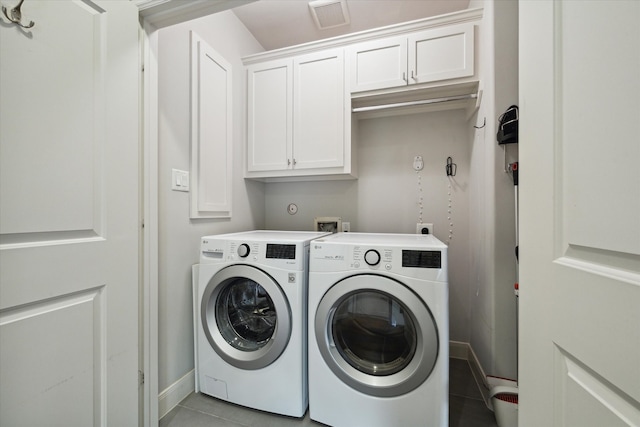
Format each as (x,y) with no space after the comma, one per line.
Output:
(609,264)
(31,240)
(584,196)
(599,399)
(57,186)
(69,333)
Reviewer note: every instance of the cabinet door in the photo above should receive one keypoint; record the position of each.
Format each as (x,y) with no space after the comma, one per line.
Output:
(269,116)
(378,64)
(319,110)
(211,132)
(441,54)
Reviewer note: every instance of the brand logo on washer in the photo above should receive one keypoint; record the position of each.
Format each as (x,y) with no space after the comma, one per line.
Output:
(292,278)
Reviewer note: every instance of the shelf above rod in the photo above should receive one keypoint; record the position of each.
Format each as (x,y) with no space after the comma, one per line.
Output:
(414,103)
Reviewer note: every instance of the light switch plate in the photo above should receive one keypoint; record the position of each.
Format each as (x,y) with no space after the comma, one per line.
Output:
(179,180)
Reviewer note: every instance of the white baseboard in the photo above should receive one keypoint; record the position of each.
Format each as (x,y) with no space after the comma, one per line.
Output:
(463,350)
(459,350)
(480,376)
(175,393)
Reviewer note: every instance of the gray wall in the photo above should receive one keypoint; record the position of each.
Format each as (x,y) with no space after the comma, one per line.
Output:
(384,198)
(178,235)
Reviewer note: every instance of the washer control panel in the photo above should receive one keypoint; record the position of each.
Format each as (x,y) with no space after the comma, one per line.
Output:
(286,255)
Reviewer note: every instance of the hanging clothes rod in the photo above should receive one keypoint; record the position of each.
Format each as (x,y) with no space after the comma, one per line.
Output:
(414,103)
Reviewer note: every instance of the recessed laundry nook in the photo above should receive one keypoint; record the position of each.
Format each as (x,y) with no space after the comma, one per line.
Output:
(317,134)
(345,213)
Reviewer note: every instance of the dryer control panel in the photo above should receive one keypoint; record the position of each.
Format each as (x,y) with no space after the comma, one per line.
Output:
(420,257)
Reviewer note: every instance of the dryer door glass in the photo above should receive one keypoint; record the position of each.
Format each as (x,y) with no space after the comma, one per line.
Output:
(377,335)
(245,315)
(372,331)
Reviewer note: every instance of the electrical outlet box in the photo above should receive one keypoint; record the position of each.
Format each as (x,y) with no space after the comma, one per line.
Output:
(424,228)
(346,227)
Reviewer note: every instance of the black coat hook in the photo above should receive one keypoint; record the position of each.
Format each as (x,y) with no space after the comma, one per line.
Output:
(16,16)
(451,167)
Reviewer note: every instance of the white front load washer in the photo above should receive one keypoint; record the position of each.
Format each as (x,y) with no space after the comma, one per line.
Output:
(378,330)
(250,293)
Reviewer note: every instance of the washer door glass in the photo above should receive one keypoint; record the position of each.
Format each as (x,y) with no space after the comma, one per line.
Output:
(376,335)
(246,316)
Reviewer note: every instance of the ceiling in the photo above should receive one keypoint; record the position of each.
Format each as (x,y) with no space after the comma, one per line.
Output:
(282,23)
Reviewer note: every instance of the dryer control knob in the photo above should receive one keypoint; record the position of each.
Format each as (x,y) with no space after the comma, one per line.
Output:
(243,250)
(372,257)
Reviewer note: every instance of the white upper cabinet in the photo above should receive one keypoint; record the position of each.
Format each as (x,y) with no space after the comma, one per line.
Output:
(434,55)
(303,102)
(319,110)
(378,64)
(269,116)
(298,117)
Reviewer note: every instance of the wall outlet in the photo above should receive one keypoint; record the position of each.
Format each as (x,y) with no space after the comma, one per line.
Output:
(424,228)
(346,227)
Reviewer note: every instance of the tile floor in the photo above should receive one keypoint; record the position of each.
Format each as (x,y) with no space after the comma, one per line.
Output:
(466,408)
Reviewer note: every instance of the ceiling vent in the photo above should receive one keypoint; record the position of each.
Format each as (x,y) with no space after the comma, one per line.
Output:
(329,13)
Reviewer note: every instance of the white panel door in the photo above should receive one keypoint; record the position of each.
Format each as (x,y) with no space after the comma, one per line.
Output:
(318,110)
(69,217)
(580,213)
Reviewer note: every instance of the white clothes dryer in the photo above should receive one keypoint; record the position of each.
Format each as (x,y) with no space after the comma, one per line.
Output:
(250,319)
(378,331)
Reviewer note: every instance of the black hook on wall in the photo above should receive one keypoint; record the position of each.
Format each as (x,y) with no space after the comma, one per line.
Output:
(451,167)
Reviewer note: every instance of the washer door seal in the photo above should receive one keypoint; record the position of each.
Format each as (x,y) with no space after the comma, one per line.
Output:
(248,327)
(376,309)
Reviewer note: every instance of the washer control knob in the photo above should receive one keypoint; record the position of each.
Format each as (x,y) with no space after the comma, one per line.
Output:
(372,257)
(243,250)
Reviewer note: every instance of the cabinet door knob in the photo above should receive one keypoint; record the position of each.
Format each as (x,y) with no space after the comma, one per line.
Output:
(404,76)
(412,76)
